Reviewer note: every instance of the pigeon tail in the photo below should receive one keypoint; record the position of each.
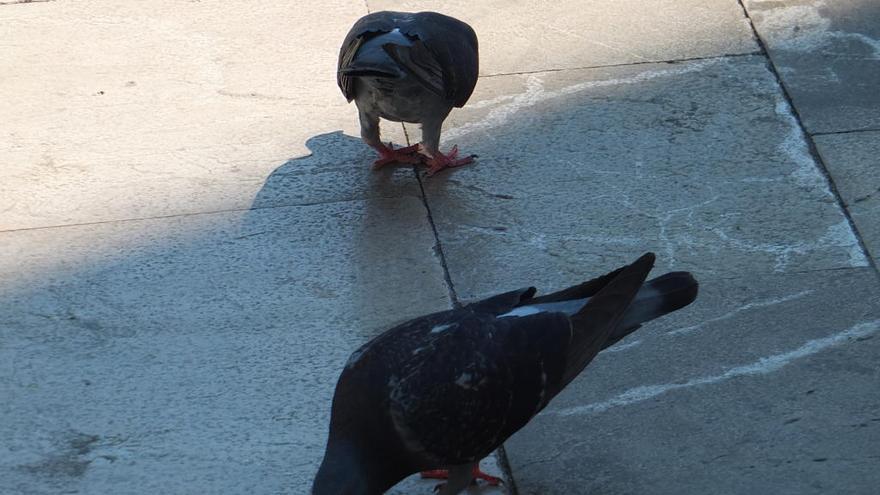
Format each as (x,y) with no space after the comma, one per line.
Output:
(600,317)
(658,297)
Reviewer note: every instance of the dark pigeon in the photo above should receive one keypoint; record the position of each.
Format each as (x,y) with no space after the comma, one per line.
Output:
(446,389)
(409,67)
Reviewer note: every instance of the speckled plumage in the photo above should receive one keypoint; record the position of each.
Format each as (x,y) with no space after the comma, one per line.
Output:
(446,389)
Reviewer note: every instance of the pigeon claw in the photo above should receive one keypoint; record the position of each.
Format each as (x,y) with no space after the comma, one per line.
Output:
(488,478)
(436,474)
(476,474)
(440,161)
(387,154)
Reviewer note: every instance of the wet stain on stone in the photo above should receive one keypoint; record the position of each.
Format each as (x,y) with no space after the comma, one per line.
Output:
(69,461)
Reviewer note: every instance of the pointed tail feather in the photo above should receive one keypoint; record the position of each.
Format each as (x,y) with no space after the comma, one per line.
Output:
(656,298)
(600,317)
(580,291)
(659,296)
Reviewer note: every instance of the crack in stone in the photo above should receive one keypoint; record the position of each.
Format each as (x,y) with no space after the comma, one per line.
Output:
(762,366)
(731,314)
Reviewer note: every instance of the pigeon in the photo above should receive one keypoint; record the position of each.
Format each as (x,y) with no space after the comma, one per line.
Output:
(446,389)
(409,67)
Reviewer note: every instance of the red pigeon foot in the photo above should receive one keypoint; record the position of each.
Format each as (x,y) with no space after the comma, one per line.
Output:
(387,154)
(478,474)
(441,161)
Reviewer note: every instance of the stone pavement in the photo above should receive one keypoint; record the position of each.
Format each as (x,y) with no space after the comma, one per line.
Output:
(192,242)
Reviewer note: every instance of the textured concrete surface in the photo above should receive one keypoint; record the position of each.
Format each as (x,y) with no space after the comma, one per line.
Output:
(521,36)
(197,354)
(854,161)
(828,55)
(705,165)
(191,239)
(135,110)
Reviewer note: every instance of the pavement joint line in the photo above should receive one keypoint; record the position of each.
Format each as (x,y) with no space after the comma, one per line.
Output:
(851,131)
(808,139)
(626,64)
(406,134)
(507,469)
(438,246)
(500,453)
(200,213)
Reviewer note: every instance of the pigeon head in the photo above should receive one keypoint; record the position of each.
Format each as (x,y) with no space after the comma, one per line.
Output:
(341,472)
(352,468)
(362,455)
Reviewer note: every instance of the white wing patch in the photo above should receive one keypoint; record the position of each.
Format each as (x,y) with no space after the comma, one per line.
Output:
(441,328)
(521,311)
(568,307)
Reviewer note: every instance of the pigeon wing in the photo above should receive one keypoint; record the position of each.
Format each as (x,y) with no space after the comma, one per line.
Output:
(454,45)
(484,379)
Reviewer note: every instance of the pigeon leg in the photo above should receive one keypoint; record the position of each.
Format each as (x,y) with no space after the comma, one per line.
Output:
(431,142)
(387,153)
(475,474)
(459,478)
(478,474)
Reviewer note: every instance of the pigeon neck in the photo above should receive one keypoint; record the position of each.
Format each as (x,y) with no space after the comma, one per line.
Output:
(346,469)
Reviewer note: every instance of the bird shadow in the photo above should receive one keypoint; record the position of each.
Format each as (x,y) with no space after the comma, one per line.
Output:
(385,204)
(338,168)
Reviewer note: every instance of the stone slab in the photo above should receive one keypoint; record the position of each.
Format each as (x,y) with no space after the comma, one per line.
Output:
(134,110)
(196,354)
(520,36)
(853,160)
(751,389)
(701,162)
(828,54)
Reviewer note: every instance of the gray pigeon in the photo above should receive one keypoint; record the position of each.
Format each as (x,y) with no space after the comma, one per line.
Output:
(409,67)
(446,389)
